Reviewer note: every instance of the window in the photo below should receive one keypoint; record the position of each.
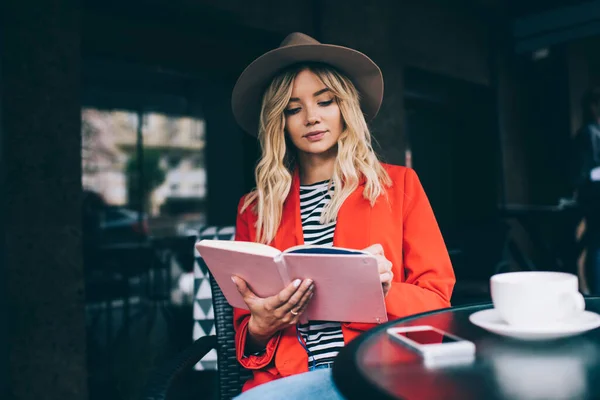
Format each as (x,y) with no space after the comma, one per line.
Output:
(108,145)
(166,182)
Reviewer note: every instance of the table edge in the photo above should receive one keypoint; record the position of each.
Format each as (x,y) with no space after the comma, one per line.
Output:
(346,376)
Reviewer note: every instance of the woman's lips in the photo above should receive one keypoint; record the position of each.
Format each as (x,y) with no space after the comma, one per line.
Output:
(315,136)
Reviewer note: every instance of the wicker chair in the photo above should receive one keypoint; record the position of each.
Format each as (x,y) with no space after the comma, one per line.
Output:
(231,374)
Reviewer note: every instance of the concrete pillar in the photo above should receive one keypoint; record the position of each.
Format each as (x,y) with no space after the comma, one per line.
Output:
(41,146)
(4,317)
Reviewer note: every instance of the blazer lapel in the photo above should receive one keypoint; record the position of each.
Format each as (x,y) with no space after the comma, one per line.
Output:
(353,226)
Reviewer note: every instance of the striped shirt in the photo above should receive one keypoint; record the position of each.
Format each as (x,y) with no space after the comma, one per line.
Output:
(323,339)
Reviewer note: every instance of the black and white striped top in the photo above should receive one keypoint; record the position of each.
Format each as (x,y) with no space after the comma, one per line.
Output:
(323,339)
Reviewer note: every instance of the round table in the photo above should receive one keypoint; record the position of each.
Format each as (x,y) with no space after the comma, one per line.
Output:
(374,366)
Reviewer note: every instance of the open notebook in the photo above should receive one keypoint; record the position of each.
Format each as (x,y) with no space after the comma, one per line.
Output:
(347,285)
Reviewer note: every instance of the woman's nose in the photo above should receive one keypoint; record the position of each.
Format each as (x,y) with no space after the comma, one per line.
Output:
(312,117)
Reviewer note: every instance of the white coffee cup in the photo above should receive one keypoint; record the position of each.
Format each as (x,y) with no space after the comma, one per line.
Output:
(536,299)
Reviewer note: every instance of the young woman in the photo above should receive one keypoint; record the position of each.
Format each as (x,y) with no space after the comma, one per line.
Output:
(320,182)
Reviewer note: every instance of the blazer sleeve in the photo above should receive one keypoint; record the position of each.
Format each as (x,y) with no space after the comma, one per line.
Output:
(429,276)
(241,317)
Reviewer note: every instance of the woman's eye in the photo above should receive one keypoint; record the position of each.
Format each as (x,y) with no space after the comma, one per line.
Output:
(292,111)
(325,103)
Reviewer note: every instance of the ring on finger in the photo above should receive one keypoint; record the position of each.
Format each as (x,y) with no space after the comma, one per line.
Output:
(294,312)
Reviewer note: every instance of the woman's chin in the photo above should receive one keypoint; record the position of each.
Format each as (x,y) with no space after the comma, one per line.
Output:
(319,148)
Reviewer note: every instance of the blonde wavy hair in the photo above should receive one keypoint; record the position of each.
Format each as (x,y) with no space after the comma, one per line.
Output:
(355,157)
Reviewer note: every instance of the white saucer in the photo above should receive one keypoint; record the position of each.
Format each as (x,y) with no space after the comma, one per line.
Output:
(490,320)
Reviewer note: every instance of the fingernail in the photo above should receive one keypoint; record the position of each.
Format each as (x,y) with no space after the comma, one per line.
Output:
(309,282)
(233,280)
(297,282)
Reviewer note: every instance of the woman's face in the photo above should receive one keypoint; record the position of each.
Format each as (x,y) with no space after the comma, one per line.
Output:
(312,118)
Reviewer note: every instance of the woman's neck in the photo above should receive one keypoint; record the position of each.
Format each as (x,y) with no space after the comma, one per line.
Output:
(315,168)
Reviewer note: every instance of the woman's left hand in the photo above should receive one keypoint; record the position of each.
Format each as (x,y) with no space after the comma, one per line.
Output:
(385,267)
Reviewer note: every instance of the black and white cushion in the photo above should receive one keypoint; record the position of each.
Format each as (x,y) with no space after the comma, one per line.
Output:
(204,318)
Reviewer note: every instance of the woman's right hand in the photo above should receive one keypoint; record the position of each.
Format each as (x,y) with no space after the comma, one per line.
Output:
(271,314)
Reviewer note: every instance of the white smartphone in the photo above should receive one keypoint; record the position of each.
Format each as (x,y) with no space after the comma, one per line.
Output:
(433,343)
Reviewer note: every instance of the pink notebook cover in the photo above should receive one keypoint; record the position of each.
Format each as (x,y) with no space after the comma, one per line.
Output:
(347,286)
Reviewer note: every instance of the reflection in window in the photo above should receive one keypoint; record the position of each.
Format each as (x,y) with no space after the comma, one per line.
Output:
(107,140)
(167,181)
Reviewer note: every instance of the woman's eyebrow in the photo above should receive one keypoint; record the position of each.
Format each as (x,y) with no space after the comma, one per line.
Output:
(315,94)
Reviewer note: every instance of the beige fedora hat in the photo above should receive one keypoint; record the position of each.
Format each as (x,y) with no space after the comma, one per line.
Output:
(296,48)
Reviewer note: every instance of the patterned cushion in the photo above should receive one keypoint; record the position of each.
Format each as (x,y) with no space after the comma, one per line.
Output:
(204,318)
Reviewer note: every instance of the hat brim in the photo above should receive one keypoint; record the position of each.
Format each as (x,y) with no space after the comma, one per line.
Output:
(361,70)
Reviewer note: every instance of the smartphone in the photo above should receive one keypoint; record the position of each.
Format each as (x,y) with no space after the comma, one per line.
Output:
(433,343)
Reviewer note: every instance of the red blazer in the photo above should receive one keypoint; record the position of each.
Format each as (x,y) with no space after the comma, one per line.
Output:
(403,223)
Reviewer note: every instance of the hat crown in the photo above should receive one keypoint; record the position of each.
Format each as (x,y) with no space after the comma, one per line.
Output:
(297,38)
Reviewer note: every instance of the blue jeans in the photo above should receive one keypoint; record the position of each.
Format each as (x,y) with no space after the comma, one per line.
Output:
(316,384)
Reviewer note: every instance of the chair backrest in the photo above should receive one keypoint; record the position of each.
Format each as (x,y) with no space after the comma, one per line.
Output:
(217,320)
(232,375)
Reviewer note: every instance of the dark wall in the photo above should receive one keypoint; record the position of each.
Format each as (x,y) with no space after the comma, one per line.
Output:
(535,124)
(548,145)
(188,38)
(584,72)
(4,317)
(41,153)
(453,140)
